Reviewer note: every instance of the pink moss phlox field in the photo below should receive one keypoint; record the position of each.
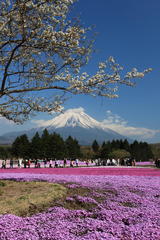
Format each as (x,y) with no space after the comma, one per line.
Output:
(98,171)
(145,163)
(129,210)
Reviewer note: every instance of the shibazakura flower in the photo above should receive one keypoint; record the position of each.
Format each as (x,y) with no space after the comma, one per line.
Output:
(125,207)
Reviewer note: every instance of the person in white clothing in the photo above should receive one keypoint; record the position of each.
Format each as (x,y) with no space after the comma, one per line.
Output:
(76,161)
(20,162)
(114,162)
(108,162)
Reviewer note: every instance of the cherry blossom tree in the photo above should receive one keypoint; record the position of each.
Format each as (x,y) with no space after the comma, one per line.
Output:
(42,52)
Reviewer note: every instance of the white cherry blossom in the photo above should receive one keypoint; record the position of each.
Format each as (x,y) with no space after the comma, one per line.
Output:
(41,49)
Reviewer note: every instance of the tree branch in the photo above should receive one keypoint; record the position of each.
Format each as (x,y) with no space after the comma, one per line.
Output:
(37,89)
(7,66)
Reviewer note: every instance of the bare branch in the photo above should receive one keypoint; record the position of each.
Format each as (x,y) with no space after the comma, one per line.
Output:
(8,64)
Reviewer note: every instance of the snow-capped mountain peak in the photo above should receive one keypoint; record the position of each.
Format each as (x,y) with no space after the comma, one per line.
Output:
(73,122)
(73,118)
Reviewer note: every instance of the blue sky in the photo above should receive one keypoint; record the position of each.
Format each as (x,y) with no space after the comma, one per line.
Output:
(129,31)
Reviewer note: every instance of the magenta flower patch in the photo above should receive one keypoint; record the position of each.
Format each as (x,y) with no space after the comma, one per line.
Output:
(125,208)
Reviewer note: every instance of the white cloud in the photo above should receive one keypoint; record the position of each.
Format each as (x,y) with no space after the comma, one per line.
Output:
(4,121)
(75,110)
(41,123)
(118,124)
(6,125)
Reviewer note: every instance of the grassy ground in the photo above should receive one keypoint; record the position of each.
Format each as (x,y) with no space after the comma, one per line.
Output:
(28,198)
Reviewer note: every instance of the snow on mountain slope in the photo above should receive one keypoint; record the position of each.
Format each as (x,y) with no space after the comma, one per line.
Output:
(73,118)
(73,122)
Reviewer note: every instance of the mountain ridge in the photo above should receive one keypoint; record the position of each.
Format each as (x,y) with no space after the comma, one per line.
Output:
(73,122)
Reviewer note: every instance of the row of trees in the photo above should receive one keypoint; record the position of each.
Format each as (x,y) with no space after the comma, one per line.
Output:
(53,146)
(141,151)
(44,146)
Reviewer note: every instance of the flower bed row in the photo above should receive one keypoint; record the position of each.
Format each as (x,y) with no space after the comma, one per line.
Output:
(145,163)
(131,171)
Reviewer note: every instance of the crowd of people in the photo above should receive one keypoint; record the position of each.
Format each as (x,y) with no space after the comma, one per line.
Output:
(38,163)
(115,162)
(74,162)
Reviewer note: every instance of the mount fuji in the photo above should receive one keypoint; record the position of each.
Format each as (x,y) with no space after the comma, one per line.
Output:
(73,122)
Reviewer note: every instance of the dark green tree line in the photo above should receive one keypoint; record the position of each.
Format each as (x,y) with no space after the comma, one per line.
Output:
(45,146)
(141,151)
